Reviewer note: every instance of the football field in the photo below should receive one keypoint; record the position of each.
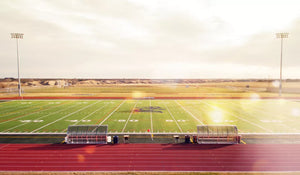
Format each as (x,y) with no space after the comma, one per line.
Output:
(154,116)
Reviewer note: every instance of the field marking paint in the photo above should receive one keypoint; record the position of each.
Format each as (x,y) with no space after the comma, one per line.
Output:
(26,108)
(268,114)
(42,116)
(4,109)
(30,121)
(72,121)
(151,118)
(257,125)
(129,117)
(189,113)
(19,107)
(89,114)
(173,118)
(64,116)
(112,112)
(17,117)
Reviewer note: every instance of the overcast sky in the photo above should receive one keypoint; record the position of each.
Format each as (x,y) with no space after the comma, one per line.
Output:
(150,39)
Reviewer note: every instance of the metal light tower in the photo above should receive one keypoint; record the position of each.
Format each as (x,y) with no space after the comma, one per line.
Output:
(18,36)
(281,36)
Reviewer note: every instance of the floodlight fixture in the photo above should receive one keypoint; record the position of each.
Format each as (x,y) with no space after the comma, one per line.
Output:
(18,36)
(281,36)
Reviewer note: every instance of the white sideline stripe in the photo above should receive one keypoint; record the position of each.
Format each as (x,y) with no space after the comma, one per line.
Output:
(151,118)
(266,113)
(12,105)
(189,113)
(43,116)
(239,118)
(27,107)
(64,117)
(26,115)
(129,117)
(7,108)
(112,112)
(89,115)
(173,118)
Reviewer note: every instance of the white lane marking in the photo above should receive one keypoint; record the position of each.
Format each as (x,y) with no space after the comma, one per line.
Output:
(42,116)
(26,108)
(112,112)
(129,117)
(151,118)
(29,121)
(189,113)
(239,117)
(28,114)
(173,118)
(89,115)
(267,113)
(64,117)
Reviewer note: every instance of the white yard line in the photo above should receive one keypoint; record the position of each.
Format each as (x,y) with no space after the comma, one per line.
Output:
(88,115)
(42,116)
(189,113)
(21,110)
(129,117)
(64,117)
(268,130)
(151,118)
(173,118)
(266,113)
(112,112)
(27,114)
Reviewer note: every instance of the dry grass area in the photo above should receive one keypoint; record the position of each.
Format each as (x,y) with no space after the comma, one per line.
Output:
(147,173)
(109,88)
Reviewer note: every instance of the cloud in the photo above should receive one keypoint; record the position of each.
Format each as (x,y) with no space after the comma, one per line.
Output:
(147,39)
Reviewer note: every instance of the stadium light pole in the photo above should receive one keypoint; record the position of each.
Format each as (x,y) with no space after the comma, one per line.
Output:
(18,36)
(281,36)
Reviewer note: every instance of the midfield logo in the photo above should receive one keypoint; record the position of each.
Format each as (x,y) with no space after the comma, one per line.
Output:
(156,109)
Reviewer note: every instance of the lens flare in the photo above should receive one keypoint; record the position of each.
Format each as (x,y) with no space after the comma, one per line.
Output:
(80,158)
(137,94)
(295,112)
(255,97)
(217,116)
(275,83)
(89,149)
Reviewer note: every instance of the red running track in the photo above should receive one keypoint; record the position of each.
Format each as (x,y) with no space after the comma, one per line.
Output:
(149,157)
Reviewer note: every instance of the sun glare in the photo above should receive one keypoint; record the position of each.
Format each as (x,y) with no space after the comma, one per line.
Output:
(137,94)
(217,116)
(295,112)
(255,97)
(276,83)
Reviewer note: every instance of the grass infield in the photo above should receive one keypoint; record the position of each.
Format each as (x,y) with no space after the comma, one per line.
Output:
(157,116)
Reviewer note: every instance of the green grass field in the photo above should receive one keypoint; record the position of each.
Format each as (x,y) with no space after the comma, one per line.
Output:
(250,116)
